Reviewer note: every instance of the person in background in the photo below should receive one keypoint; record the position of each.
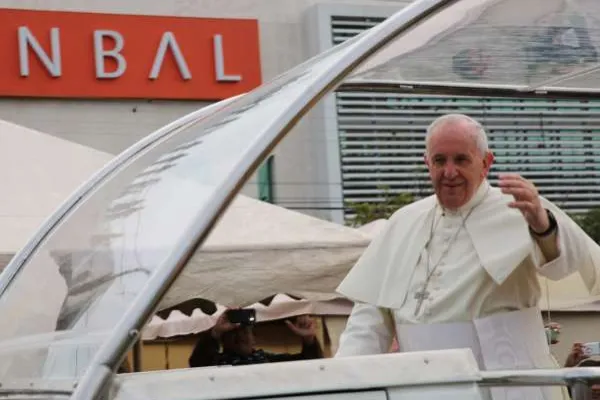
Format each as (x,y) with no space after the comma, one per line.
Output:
(578,358)
(553,332)
(229,343)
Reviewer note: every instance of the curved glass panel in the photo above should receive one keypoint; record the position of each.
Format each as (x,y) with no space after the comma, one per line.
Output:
(524,44)
(88,271)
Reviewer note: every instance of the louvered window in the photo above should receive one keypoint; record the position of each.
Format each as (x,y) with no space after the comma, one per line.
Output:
(343,28)
(556,143)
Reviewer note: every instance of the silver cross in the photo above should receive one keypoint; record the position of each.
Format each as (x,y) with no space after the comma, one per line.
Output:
(421,296)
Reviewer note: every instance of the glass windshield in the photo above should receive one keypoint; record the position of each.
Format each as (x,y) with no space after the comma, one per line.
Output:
(533,44)
(91,267)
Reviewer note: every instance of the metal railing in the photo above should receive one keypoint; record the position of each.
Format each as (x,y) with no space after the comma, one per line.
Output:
(579,379)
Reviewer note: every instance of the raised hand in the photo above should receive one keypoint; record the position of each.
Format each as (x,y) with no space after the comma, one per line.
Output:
(304,326)
(526,200)
(223,325)
(575,356)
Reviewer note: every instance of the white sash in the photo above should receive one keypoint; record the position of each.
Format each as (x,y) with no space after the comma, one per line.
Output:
(503,341)
(424,337)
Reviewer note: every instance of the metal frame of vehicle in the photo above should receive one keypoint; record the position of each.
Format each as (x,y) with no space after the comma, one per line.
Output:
(420,375)
(458,89)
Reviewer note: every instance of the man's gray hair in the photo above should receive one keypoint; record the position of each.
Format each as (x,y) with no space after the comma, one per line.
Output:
(478,130)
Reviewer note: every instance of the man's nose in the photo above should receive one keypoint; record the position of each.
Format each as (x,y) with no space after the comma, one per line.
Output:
(450,170)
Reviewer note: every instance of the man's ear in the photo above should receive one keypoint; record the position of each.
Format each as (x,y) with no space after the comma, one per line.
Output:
(426,159)
(488,160)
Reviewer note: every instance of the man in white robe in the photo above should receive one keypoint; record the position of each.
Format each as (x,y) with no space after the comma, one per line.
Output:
(460,268)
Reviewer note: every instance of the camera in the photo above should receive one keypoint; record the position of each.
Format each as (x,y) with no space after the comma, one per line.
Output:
(591,349)
(243,316)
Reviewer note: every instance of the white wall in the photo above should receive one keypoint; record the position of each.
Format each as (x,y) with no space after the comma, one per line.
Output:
(110,126)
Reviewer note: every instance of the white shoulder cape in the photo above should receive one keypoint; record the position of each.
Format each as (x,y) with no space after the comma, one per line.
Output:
(500,236)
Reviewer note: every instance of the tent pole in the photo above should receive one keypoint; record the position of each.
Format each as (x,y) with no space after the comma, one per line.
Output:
(137,356)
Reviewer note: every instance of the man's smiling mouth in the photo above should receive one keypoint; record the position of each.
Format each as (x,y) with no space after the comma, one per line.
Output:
(452,185)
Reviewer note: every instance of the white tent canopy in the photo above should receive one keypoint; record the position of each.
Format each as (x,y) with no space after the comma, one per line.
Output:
(373,228)
(280,307)
(255,251)
(258,250)
(569,294)
(39,172)
(279,249)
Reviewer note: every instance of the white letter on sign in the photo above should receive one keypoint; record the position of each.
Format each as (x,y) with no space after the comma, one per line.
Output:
(100,54)
(168,41)
(26,39)
(220,62)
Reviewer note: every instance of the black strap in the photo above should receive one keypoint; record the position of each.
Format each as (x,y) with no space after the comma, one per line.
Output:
(551,228)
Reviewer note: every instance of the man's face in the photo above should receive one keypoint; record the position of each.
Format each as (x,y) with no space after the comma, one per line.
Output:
(456,165)
(239,341)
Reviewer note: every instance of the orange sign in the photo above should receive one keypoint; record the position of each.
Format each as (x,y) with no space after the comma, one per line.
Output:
(88,55)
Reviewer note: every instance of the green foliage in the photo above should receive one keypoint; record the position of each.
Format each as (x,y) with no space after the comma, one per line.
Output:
(590,223)
(368,212)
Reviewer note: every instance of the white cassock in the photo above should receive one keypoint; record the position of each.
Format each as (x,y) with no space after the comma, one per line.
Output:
(483,289)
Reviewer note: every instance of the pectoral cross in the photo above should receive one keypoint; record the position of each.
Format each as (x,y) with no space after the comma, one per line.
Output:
(421,296)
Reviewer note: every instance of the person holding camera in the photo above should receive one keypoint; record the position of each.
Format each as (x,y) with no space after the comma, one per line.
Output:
(236,339)
(585,355)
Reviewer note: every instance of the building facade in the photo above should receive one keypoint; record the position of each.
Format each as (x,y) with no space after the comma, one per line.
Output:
(352,147)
